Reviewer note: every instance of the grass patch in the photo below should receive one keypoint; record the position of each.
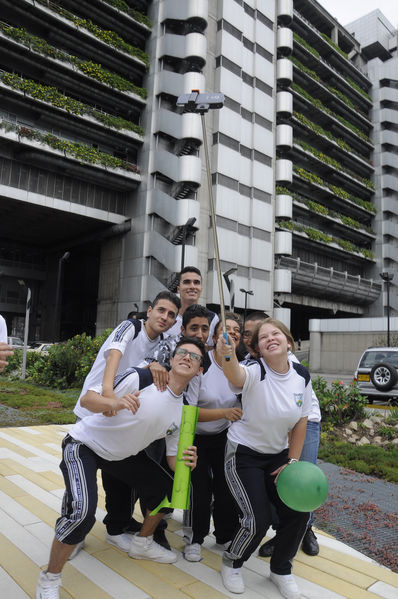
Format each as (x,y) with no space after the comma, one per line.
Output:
(39,405)
(381,462)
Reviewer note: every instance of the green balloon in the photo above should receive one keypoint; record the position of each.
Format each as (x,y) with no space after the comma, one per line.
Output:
(302,486)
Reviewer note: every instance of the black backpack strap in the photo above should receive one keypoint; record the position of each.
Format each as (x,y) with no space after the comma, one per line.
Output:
(144,377)
(262,370)
(249,361)
(137,325)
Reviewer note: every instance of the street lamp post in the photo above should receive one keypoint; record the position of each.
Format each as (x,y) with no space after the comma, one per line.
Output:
(26,330)
(57,295)
(231,287)
(246,292)
(387,278)
(190,222)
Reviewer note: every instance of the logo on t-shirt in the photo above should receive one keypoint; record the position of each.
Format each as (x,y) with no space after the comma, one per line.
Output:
(172,428)
(298,398)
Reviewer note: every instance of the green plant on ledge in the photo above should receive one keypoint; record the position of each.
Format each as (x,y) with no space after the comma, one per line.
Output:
(81,152)
(335,46)
(52,95)
(89,68)
(325,133)
(306,45)
(338,191)
(359,89)
(317,235)
(283,191)
(318,104)
(333,90)
(334,163)
(321,209)
(304,174)
(135,14)
(318,208)
(105,35)
(315,52)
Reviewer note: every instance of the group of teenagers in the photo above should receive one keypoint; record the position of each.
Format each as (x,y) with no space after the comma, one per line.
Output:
(257,415)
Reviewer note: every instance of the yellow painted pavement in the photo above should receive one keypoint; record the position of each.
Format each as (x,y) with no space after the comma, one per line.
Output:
(31,488)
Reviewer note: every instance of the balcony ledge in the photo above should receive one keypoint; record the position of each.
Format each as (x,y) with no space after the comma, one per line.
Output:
(73,69)
(44,149)
(85,32)
(86,118)
(332,246)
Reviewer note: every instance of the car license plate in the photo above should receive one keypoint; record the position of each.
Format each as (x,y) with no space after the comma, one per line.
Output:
(363,377)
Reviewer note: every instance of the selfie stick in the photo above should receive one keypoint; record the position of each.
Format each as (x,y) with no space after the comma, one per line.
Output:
(202,103)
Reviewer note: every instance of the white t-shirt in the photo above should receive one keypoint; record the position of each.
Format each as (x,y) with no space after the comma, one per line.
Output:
(118,437)
(211,390)
(133,347)
(271,407)
(163,351)
(175,330)
(315,414)
(3,330)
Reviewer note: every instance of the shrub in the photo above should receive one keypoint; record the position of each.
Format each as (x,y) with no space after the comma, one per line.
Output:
(66,365)
(340,403)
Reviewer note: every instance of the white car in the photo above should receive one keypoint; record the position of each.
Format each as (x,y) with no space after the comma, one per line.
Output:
(15,342)
(40,347)
(377,373)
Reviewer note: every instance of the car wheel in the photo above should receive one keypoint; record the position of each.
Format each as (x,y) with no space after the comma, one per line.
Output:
(383,376)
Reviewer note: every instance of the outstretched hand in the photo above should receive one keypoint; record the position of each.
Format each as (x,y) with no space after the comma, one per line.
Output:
(130,401)
(224,349)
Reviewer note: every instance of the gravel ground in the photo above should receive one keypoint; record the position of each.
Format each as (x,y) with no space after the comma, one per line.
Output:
(13,417)
(362,512)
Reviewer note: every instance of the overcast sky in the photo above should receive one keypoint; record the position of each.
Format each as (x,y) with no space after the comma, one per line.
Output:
(346,11)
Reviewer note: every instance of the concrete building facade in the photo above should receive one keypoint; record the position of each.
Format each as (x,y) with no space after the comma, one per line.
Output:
(103,182)
(379,41)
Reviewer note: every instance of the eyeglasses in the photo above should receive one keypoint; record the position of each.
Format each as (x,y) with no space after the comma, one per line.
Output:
(184,352)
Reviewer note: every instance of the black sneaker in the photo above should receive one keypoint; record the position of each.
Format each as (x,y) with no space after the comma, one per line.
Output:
(160,538)
(267,549)
(310,544)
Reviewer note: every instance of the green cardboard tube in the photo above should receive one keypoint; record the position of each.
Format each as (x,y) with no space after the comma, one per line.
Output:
(182,474)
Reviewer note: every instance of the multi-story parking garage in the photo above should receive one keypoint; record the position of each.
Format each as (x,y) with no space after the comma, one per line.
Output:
(103,186)
(325,236)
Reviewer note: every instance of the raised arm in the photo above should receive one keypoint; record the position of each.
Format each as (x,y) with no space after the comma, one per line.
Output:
(112,364)
(234,372)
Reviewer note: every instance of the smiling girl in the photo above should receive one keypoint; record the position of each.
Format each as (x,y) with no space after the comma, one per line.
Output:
(276,400)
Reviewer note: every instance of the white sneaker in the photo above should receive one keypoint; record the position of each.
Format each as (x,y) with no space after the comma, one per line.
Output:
(286,584)
(147,548)
(232,579)
(76,550)
(48,585)
(122,541)
(192,552)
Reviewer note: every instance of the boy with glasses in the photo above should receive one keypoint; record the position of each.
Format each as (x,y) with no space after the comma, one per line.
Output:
(117,444)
